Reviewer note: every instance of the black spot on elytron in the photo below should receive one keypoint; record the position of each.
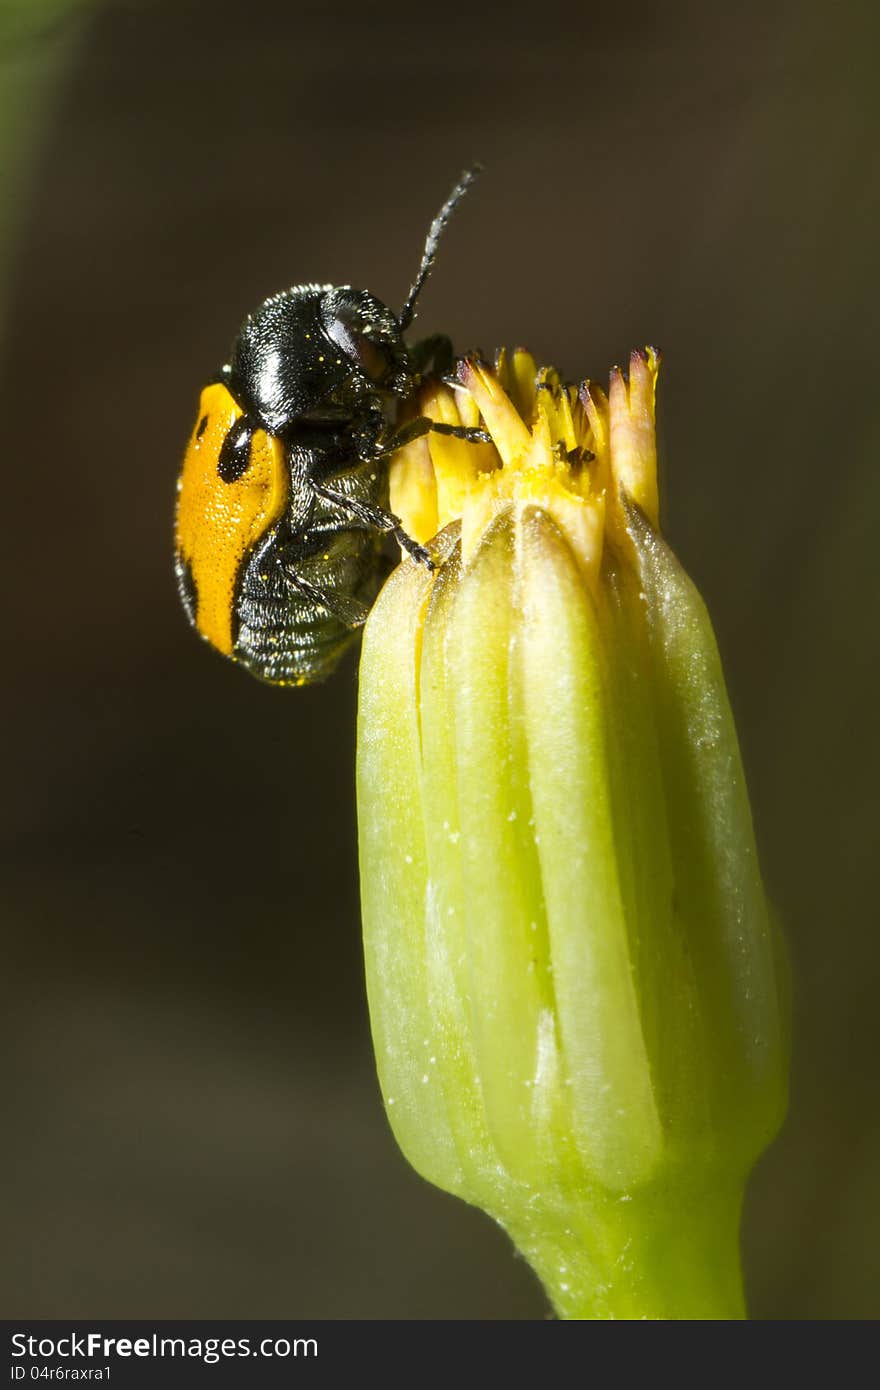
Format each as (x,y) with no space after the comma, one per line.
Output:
(203,425)
(235,452)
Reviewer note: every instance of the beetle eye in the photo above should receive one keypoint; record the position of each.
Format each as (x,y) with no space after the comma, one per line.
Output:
(374,359)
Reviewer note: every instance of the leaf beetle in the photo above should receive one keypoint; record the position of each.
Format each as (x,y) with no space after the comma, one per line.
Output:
(282,496)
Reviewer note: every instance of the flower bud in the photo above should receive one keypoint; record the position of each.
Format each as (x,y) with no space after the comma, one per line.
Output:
(573,977)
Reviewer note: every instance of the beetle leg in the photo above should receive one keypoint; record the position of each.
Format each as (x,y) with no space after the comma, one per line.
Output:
(378,518)
(415,429)
(470,433)
(349,610)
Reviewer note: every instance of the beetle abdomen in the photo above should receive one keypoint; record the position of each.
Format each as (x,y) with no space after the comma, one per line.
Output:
(297,613)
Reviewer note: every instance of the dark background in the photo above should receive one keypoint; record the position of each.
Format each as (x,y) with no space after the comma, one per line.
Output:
(195,1128)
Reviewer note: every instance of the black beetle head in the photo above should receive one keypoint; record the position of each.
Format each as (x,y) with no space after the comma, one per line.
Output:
(317,354)
(369,334)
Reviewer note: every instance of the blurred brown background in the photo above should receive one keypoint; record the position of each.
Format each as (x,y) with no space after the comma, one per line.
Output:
(194,1127)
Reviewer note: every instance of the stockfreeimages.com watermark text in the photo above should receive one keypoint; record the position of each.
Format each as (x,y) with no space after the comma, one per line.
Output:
(95,1346)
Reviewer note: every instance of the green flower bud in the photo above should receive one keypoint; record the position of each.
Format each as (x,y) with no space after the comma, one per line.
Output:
(573,977)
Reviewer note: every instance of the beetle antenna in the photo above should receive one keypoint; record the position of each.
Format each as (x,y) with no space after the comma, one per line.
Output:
(435,232)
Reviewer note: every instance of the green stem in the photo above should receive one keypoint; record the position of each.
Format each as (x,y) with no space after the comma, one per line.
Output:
(655,1255)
